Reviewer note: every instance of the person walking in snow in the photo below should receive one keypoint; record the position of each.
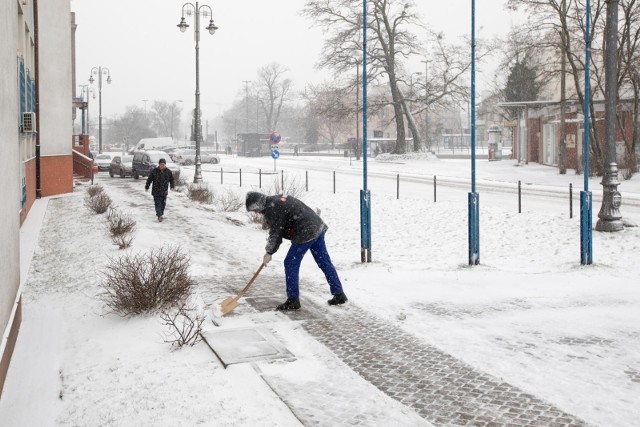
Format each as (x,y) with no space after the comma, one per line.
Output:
(161,178)
(289,218)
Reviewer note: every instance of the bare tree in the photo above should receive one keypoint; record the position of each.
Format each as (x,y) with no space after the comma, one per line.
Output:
(166,117)
(331,109)
(391,42)
(273,88)
(132,126)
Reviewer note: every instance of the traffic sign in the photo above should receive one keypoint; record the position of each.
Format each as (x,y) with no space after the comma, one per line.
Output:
(275,154)
(275,138)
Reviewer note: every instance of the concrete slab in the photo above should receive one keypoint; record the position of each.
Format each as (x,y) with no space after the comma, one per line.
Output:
(244,345)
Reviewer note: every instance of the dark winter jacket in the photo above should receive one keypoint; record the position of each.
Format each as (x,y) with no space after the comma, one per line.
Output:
(288,218)
(161,179)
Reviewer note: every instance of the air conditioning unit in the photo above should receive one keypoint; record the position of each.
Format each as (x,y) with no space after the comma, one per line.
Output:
(28,122)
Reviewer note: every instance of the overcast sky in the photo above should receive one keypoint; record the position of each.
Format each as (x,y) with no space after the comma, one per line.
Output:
(149,58)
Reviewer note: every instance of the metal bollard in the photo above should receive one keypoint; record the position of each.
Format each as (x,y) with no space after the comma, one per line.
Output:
(282,179)
(306,180)
(570,200)
(519,197)
(434,188)
(398,186)
(240,177)
(334,182)
(260,178)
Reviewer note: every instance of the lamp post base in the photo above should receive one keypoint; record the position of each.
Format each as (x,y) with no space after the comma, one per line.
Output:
(610,216)
(197,177)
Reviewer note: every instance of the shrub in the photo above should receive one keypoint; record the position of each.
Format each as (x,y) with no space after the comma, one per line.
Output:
(230,201)
(185,326)
(200,193)
(291,187)
(121,226)
(92,190)
(98,203)
(258,219)
(145,282)
(180,183)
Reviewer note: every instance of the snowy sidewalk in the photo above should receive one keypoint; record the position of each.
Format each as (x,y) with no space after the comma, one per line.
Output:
(423,341)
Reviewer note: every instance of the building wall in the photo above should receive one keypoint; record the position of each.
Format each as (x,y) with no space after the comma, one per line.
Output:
(11,189)
(55,91)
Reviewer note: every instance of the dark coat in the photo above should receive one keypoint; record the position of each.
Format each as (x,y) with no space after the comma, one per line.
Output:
(161,180)
(289,218)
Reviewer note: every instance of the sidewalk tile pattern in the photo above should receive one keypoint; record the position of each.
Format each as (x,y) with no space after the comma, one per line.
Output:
(440,388)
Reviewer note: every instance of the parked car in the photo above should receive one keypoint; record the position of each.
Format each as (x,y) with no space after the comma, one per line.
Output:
(188,157)
(144,162)
(103,160)
(121,165)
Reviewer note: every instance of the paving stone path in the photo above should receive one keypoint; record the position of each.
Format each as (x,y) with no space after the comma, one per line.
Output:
(440,388)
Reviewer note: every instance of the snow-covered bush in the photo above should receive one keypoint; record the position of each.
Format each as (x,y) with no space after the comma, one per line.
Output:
(200,193)
(99,203)
(258,219)
(180,183)
(291,187)
(185,326)
(230,201)
(121,226)
(145,282)
(92,190)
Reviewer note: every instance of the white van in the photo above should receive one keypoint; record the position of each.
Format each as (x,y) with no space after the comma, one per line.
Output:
(154,143)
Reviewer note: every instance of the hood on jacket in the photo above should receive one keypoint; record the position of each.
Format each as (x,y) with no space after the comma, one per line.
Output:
(256,202)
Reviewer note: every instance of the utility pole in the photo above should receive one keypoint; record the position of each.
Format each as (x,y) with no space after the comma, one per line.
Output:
(610,217)
(246,88)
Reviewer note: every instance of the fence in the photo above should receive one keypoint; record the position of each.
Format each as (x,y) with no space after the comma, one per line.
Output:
(505,187)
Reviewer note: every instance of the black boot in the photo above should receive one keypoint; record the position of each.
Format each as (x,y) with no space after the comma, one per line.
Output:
(338,299)
(289,304)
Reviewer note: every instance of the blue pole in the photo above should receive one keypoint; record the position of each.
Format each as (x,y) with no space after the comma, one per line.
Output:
(586,209)
(365,195)
(473,199)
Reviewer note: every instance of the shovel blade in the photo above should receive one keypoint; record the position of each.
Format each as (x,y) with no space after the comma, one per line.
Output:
(227,305)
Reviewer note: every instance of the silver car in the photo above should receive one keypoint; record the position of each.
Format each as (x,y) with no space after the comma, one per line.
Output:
(188,157)
(103,160)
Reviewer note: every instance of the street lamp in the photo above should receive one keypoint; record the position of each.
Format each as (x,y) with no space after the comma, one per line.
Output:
(197,11)
(86,90)
(100,71)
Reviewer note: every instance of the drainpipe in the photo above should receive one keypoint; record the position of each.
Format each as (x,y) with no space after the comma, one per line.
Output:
(37,78)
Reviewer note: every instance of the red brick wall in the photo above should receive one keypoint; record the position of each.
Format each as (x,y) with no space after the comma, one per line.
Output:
(56,175)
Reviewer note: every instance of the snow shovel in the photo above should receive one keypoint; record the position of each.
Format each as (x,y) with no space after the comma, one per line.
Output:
(232,302)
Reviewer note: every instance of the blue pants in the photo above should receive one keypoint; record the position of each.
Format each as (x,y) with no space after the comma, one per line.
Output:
(294,258)
(160,202)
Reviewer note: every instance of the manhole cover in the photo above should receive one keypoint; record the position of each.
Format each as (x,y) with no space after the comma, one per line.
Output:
(245,345)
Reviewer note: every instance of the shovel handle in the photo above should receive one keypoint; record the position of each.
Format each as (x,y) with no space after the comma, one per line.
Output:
(246,288)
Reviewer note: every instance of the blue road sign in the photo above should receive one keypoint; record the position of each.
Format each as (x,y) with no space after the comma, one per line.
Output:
(275,154)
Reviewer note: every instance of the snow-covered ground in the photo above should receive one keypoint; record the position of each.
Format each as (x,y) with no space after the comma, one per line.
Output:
(530,314)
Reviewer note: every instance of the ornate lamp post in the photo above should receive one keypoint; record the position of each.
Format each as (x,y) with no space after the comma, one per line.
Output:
(610,216)
(197,11)
(100,71)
